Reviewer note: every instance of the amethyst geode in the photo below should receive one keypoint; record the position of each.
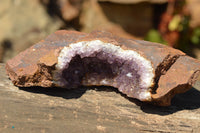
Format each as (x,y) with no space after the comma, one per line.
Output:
(138,69)
(99,63)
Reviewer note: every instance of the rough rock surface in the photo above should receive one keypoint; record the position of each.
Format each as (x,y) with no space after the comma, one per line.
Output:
(175,72)
(99,110)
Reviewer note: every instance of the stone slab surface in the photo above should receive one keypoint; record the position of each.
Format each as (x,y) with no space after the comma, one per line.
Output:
(89,110)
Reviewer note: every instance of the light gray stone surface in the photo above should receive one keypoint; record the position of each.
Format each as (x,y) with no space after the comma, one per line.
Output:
(89,110)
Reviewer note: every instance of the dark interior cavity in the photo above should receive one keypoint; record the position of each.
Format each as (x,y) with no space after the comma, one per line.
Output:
(80,67)
(98,69)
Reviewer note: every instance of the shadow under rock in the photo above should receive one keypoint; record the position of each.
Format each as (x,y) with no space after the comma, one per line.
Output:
(189,100)
(57,92)
(68,93)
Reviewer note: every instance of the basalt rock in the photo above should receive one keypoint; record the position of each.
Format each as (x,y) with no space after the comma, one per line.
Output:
(144,70)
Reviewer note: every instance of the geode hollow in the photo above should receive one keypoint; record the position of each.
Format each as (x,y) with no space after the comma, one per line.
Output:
(140,69)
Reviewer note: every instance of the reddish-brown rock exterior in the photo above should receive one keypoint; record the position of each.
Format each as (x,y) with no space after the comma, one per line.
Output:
(174,71)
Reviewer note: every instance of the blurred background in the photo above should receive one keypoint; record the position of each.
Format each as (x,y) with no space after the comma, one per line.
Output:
(175,23)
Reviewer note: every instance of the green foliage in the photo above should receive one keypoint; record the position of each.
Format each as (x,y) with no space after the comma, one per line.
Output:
(154,36)
(195,38)
(175,23)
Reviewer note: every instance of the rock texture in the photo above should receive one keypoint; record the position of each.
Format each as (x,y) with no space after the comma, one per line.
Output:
(174,71)
(92,110)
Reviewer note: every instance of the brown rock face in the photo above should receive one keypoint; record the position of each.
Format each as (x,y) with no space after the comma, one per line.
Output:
(147,71)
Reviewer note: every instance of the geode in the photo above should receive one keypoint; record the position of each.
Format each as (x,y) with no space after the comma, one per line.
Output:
(143,70)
